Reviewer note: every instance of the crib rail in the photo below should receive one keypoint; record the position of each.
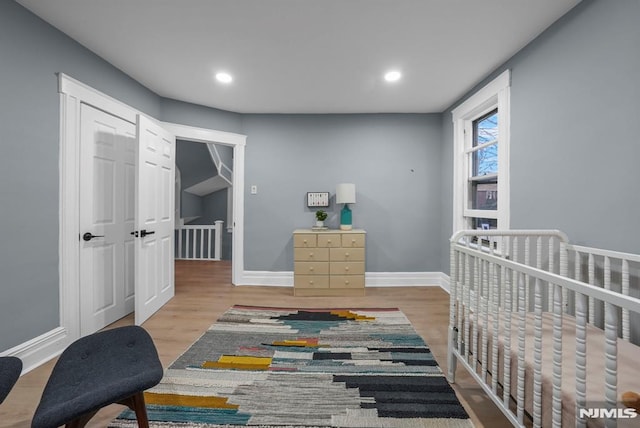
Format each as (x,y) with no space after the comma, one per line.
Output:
(502,283)
(608,269)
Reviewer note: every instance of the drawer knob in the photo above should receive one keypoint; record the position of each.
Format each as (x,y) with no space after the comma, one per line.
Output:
(346,268)
(346,282)
(346,254)
(310,282)
(310,255)
(305,241)
(353,241)
(328,241)
(311,268)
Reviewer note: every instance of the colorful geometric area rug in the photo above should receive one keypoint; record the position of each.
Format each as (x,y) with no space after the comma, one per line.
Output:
(276,367)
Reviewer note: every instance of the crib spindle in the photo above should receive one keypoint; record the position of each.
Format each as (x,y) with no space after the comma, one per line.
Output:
(592,281)
(564,271)
(521,347)
(537,354)
(485,297)
(581,357)
(495,313)
(508,296)
(558,306)
(462,286)
(626,333)
(475,309)
(467,308)
(611,359)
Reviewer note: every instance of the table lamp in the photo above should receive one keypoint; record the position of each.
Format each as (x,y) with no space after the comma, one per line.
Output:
(346,194)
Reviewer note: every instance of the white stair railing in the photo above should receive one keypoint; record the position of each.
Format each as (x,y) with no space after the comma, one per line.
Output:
(199,242)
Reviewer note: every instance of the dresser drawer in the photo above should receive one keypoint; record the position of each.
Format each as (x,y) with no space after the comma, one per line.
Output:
(346,281)
(353,240)
(311,268)
(304,240)
(346,268)
(346,254)
(311,281)
(310,254)
(327,240)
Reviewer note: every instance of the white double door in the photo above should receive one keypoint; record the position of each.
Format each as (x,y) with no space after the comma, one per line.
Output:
(126,218)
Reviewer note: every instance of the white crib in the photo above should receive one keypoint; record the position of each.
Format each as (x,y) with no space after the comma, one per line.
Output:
(548,329)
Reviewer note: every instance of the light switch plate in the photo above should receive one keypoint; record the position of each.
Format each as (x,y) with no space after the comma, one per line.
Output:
(317,199)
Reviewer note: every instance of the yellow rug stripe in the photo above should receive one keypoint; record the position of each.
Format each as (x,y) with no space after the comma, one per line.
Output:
(239,362)
(241,359)
(188,401)
(353,316)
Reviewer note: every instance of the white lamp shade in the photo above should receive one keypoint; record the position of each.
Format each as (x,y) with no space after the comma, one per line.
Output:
(346,193)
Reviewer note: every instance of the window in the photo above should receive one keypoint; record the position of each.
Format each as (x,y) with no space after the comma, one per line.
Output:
(481,157)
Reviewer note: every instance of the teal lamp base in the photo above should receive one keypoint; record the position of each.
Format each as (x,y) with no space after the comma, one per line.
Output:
(345,218)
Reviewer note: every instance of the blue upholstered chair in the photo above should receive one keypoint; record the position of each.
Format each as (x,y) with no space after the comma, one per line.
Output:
(112,366)
(10,369)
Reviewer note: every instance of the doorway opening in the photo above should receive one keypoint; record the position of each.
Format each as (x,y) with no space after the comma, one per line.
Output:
(204,201)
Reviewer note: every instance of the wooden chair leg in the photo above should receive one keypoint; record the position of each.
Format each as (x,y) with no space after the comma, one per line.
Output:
(81,421)
(136,403)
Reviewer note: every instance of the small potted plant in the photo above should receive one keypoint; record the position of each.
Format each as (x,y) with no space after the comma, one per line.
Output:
(321,216)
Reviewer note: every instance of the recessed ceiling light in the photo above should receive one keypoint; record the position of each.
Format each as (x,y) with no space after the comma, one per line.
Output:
(224,77)
(392,76)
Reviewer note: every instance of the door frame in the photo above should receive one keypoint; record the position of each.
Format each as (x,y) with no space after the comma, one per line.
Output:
(73,93)
(238,142)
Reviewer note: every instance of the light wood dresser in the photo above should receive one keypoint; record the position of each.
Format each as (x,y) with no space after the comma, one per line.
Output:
(328,262)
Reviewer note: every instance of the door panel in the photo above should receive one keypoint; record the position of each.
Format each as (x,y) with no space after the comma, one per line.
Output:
(155,222)
(107,152)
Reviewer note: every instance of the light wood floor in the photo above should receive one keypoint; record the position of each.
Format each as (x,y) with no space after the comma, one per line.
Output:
(204,291)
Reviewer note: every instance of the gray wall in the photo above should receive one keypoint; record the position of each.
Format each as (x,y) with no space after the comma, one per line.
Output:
(195,163)
(575,145)
(574,139)
(226,155)
(394,161)
(204,117)
(31,53)
(191,205)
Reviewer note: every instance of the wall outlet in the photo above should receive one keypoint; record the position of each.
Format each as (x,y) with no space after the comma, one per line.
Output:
(254,189)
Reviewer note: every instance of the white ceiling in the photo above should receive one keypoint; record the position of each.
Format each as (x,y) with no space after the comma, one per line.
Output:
(305,56)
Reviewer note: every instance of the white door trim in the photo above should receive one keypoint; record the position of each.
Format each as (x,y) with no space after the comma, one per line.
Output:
(72,94)
(238,142)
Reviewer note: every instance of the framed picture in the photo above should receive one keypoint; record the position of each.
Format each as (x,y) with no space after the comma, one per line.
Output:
(317,199)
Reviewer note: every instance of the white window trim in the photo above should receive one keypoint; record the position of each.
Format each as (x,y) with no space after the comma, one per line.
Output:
(495,94)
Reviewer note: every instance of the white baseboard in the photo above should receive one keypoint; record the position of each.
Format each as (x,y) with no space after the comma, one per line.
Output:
(372,279)
(266,278)
(41,349)
(406,279)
